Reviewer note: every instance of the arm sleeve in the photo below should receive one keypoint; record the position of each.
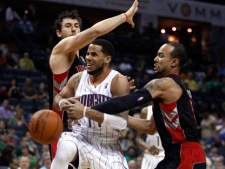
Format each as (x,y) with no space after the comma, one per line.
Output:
(120,104)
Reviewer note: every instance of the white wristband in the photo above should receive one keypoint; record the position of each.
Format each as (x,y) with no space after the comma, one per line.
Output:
(84,112)
(61,102)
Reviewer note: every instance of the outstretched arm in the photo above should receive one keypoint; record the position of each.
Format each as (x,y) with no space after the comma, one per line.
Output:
(74,43)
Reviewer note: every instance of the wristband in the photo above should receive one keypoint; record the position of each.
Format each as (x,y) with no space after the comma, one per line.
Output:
(61,102)
(84,112)
(126,16)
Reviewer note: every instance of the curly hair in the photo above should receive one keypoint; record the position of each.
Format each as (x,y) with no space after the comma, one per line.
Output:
(67,14)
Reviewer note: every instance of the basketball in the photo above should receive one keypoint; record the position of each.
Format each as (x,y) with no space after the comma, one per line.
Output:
(45,126)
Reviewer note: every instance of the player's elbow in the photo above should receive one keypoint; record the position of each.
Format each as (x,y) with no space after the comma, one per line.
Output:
(151,129)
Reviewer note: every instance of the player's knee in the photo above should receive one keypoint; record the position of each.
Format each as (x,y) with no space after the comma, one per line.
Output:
(66,151)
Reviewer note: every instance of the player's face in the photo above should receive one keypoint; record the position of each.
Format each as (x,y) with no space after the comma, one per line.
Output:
(70,27)
(163,60)
(95,59)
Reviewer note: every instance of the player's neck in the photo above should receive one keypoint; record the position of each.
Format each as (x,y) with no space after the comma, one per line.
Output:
(97,79)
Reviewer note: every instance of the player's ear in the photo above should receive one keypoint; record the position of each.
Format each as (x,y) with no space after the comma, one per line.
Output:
(108,59)
(175,62)
(58,33)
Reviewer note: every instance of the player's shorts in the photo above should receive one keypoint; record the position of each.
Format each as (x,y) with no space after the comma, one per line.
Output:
(188,155)
(151,161)
(97,153)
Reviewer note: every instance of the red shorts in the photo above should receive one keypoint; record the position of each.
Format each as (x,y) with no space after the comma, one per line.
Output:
(188,155)
(192,156)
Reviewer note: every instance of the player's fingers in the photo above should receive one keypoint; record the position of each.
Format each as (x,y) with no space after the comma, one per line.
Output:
(132,87)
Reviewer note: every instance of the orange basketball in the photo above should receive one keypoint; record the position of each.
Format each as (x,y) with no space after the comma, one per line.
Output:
(45,126)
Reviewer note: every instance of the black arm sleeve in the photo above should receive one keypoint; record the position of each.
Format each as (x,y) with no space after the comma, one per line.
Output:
(120,104)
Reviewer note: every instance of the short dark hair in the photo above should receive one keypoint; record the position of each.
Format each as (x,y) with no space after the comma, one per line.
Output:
(107,47)
(179,52)
(67,14)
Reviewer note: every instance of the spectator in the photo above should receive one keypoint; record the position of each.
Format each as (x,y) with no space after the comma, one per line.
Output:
(4,138)
(18,119)
(26,63)
(24,162)
(191,82)
(216,158)
(125,67)
(3,61)
(25,26)
(14,90)
(128,140)
(32,14)
(3,125)
(131,153)
(13,138)
(208,128)
(132,164)
(139,161)
(46,161)
(28,90)
(42,92)
(6,155)
(11,17)
(12,60)
(5,110)
(3,92)
(14,163)
(221,69)
(141,65)
(24,148)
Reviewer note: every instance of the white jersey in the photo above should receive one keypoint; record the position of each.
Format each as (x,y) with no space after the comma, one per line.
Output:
(150,161)
(153,139)
(98,145)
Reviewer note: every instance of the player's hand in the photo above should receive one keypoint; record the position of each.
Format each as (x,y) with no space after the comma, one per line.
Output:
(153,150)
(74,109)
(131,83)
(130,13)
(63,103)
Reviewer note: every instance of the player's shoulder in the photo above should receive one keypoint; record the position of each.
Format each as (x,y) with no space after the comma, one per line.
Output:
(162,83)
(76,76)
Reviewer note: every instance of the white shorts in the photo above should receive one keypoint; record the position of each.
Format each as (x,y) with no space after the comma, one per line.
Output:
(95,153)
(150,161)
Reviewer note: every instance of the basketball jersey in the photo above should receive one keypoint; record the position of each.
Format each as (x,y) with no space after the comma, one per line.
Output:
(91,95)
(155,138)
(176,121)
(57,81)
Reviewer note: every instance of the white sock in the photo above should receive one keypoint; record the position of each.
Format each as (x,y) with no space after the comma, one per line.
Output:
(66,151)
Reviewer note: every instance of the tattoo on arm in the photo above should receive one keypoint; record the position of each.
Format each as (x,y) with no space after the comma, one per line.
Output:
(154,85)
(76,82)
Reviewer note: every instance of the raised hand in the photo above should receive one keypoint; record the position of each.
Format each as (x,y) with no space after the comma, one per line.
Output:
(130,13)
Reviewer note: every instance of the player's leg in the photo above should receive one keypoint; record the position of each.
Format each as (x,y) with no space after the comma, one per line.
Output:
(66,152)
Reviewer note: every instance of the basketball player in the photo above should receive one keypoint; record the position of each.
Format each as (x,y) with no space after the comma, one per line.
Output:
(173,113)
(152,145)
(93,139)
(65,60)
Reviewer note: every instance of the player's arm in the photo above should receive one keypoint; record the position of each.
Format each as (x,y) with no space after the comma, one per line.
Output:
(142,125)
(67,91)
(80,40)
(140,135)
(157,88)
(118,121)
